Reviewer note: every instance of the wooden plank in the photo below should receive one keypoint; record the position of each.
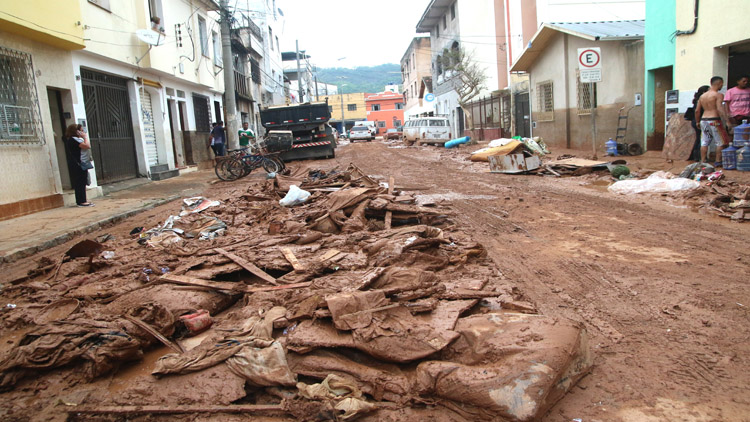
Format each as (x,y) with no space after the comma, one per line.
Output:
(151,330)
(167,410)
(289,255)
(389,214)
(226,286)
(329,255)
(248,266)
(391,184)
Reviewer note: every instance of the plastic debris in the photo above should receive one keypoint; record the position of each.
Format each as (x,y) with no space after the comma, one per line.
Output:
(659,182)
(197,204)
(10,306)
(295,196)
(108,254)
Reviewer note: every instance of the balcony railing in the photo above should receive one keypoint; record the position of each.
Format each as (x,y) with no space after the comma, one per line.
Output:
(242,85)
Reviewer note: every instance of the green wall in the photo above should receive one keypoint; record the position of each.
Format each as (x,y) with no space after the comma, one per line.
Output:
(659,51)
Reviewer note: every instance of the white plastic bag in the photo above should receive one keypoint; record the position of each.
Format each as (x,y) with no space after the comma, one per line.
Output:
(659,182)
(294,197)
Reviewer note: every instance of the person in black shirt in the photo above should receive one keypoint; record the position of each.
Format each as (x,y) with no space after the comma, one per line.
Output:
(690,115)
(76,140)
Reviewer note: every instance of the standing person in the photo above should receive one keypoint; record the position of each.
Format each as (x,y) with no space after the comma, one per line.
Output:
(695,122)
(218,139)
(737,102)
(246,136)
(712,128)
(76,143)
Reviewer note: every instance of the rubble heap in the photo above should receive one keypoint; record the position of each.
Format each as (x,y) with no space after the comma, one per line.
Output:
(358,303)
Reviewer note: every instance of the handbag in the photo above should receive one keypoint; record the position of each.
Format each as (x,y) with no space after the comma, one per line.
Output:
(86,161)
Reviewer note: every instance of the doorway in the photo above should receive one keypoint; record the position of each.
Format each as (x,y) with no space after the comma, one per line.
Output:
(523,115)
(54,97)
(662,84)
(217,112)
(187,147)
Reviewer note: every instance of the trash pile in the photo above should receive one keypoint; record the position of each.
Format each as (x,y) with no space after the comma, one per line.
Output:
(346,300)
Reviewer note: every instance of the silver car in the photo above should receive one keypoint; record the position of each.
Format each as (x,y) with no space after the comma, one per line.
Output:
(359,133)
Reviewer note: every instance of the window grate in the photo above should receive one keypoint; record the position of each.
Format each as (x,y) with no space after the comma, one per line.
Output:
(545,102)
(20,115)
(586,96)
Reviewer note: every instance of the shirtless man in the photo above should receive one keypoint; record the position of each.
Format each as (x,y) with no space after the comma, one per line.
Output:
(712,129)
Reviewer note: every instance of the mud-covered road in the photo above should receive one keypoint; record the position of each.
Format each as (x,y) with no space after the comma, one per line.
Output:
(662,290)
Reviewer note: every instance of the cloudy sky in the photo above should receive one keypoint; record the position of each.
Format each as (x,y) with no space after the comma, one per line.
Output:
(367,33)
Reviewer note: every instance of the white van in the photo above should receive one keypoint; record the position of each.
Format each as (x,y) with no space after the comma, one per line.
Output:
(370,125)
(427,130)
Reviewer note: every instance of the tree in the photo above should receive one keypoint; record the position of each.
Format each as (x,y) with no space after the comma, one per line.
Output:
(467,76)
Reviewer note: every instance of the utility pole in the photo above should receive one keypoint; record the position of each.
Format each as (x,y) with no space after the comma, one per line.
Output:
(230,106)
(299,75)
(317,97)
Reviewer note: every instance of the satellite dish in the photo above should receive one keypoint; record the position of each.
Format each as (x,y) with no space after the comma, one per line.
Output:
(150,37)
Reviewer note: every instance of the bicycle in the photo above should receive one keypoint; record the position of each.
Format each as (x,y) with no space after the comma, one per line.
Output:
(239,163)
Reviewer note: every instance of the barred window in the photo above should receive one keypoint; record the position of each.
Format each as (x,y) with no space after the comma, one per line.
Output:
(545,102)
(20,116)
(255,70)
(586,96)
(351,107)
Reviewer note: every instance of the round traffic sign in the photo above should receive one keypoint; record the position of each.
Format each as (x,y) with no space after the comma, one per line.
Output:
(589,58)
(429,97)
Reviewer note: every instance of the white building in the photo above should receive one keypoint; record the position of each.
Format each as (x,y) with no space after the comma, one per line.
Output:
(463,24)
(269,17)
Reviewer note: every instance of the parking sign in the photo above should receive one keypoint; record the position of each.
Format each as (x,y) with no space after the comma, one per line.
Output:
(590,64)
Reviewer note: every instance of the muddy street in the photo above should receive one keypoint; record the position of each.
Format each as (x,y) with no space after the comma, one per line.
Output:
(635,306)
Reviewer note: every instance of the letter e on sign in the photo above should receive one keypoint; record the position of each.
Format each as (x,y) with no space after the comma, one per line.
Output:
(590,64)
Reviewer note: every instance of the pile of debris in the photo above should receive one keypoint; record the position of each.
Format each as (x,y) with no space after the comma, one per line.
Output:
(726,199)
(355,303)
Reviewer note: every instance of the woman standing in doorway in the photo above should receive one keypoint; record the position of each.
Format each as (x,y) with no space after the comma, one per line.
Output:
(77,143)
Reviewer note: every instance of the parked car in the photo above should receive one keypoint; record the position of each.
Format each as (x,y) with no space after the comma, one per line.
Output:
(359,133)
(427,130)
(370,125)
(393,134)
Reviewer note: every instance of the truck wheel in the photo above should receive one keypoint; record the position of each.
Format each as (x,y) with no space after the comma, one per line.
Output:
(332,154)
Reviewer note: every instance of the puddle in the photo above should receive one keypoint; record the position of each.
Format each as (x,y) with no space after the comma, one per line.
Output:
(129,375)
(599,185)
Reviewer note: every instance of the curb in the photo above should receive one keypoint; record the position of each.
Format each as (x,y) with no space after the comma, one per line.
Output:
(20,253)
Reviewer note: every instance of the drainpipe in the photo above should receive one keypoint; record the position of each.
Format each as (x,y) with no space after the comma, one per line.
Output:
(695,23)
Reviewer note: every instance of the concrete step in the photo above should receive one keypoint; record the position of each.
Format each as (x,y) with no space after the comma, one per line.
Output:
(163,175)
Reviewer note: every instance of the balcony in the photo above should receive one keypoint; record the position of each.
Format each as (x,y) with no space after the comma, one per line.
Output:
(242,86)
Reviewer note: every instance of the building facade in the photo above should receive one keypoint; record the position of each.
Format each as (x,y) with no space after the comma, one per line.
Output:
(386,109)
(37,95)
(354,109)
(561,105)
(659,59)
(267,15)
(416,77)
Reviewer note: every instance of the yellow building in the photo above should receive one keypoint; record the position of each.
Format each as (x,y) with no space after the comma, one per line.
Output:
(37,94)
(716,42)
(354,108)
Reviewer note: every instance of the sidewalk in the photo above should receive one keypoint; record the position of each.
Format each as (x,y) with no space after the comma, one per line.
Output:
(26,235)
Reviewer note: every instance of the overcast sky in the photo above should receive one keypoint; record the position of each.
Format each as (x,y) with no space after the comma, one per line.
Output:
(367,33)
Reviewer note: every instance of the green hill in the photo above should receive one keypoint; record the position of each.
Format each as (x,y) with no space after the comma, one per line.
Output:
(362,79)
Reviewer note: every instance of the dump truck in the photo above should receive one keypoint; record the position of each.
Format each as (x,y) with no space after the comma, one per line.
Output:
(308,122)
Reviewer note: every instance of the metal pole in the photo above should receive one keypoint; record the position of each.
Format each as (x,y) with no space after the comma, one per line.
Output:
(317,97)
(230,106)
(593,118)
(299,75)
(343,122)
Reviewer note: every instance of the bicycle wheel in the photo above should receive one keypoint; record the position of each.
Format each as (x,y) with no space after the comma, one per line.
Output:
(270,166)
(222,170)
(237,168)
(280,162)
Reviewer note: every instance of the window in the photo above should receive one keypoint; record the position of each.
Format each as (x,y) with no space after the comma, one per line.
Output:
(277,44)
(545,102)
(202,113)
(397,123)
(270,37)
(453,11)
(445,24)
(439,65)
(255,70)
(375,107)
(586,98)
(104,4)
(399,106)
(381,124)
(203,36)
(437,31)
(351,107)
(217,49)
(437,123)
(20,118)
(157,15)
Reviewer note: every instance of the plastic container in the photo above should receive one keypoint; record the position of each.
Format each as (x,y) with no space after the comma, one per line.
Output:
(729,158)
(458,141)
(743,158)
(197,322)
(611,146)
(742,135)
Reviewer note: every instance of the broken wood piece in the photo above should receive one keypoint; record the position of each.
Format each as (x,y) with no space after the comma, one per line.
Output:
(467,294)
(289,255)
(167,410)
(391,183)
(370,276)
(388,220)
(154,332)
(329,255)
(552,171)
(226,286)
(378,309)
(248,266)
